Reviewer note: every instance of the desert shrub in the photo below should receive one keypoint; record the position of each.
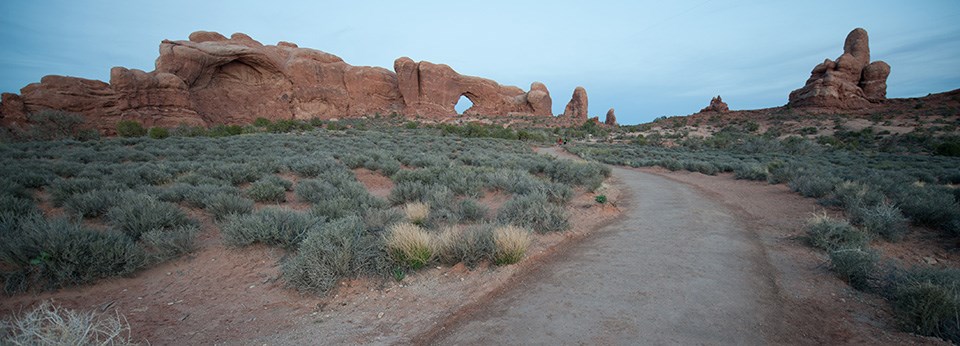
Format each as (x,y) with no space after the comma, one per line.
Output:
(701,167)
(267,191)
(222,205)
(471,210)
(855,265)
(587,174)
(271,226)
(829,234)
(165,244)
(94,203)
(671,164)
(130,128)
(416,212)
(927,206)
(61,189)
(49,324)
(750,172)
(196,179)
(413,191)
(856,194)
(56,253)
(17,205)
(512,180)
(511,244)
(196,196)
(158,133)
(557,193)
(948,149)
(813,184)
(927,302)
(884,219)
(342,248)
(470,246)
(235,173)
(261,122)
(286,184)
(136,214)
(410,245)
(54,125)
(11,188)
(534,212)
(313,167)
(377,220)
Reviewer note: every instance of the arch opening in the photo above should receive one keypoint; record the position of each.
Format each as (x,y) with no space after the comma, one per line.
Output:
(463,104)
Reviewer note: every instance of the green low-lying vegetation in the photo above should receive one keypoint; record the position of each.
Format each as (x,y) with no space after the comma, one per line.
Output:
(136,200)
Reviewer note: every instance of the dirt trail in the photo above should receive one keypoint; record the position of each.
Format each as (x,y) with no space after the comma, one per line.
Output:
(679,269)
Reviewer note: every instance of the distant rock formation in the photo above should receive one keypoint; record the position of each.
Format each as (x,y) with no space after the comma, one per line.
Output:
(611,118)
(433,90)
(211,79)
(716,105)
(577,107)
(851,82)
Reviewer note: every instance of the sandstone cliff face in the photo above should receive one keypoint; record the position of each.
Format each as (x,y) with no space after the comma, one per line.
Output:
(851,82)
(211,79)
(432,90)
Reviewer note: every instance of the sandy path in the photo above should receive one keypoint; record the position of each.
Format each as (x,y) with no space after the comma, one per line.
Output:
(678,269)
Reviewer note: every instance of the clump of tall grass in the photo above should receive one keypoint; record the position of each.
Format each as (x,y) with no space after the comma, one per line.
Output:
(410,245)
(511,244)
(416,212)
(50,324)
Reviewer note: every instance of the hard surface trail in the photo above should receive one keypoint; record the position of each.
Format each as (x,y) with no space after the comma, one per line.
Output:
(677,269)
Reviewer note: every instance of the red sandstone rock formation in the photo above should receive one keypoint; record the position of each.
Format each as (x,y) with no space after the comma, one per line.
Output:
(154,99)
(716,105)
(210,79)
(577,107)
(433,90)
(611,118)
(238,79)
(851,82)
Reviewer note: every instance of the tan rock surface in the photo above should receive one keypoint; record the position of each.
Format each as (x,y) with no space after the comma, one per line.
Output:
(851,82)
(577,107)
(211,79)
(432,90)
(716,105)
(611,118)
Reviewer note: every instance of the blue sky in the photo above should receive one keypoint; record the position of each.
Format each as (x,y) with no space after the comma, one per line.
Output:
(644,58)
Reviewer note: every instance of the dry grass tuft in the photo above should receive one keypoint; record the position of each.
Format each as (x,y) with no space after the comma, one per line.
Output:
(410,244)
(416,212)
(511,243)
(49,324)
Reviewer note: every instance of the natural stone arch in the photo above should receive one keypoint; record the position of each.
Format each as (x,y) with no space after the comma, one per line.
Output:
(471,102)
